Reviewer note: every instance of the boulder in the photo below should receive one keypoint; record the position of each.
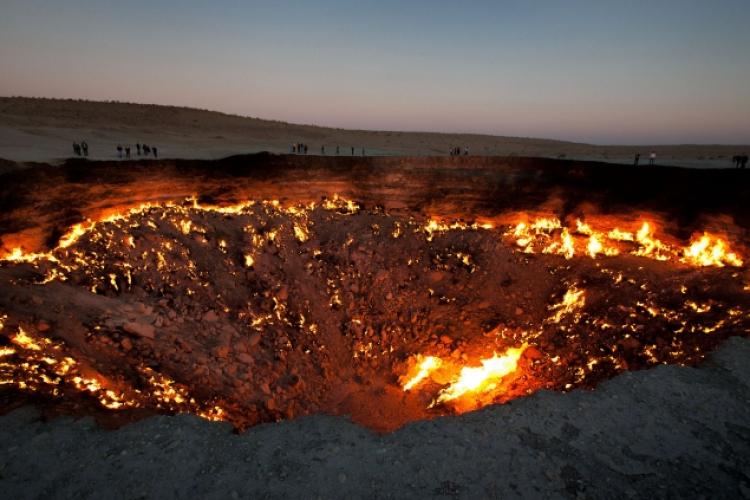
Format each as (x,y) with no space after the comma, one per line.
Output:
(140,329)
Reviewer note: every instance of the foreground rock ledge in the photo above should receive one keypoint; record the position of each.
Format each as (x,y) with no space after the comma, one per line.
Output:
(669,432)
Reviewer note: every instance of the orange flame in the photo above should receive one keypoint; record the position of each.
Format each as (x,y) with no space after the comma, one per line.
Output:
(424,368)
(710,251)
(484,378)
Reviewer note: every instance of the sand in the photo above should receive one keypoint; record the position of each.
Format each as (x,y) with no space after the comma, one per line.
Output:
(44,130)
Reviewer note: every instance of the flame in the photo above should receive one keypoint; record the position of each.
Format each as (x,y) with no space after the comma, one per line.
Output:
(710,251)
(424,368)
(547,235)
(22,339)
(583,228)
(484,378)
(618,235)
(572,300)
(74,234)
(341,205)
(464,382)
(650,246)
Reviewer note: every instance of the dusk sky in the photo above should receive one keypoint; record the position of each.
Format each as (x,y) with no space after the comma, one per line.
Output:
(605,72)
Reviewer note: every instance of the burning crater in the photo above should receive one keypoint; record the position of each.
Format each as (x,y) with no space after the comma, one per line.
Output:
(264,311)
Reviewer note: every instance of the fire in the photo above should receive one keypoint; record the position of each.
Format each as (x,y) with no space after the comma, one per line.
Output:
(74,234)
(160,241)
(341,205)
(424,368)
(249,261)
(572,300)
(22,339)
(594,247)
(484,378)
(548,235)
(710,251)
(464,386)
(650,246)
(583,228)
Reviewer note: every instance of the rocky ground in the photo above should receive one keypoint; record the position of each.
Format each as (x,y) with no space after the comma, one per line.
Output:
(668,432)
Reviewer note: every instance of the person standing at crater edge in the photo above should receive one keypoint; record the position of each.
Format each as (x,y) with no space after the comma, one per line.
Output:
(743,161)
(119,150)
(85,148)
(637,159)
(652,158)
(153,148)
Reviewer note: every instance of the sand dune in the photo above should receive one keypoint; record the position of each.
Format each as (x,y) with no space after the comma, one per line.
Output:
(33,129)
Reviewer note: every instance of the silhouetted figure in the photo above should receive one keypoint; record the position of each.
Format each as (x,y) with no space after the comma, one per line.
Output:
(146,150)
(637,159)
(155,153)
(466,150)
(743,161)
(138,148)
(322,150)
(76,149)
(337,149)
(652,158)
(305,148)
(352,150)
(119,150)
(85,148)
(737,161)
(127,152)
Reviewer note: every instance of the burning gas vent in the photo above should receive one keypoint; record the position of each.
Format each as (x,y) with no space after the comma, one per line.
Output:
(258,312)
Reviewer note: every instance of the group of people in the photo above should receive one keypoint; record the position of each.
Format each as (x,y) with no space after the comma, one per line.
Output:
(299,148)
(740,161)
(651,158)
(81,149)
(141,149)
(302,148)
(456,151)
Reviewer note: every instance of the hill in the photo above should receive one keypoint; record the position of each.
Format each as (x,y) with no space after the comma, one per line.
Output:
(40,129)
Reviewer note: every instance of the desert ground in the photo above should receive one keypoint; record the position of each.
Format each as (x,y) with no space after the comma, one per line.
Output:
(43,130)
